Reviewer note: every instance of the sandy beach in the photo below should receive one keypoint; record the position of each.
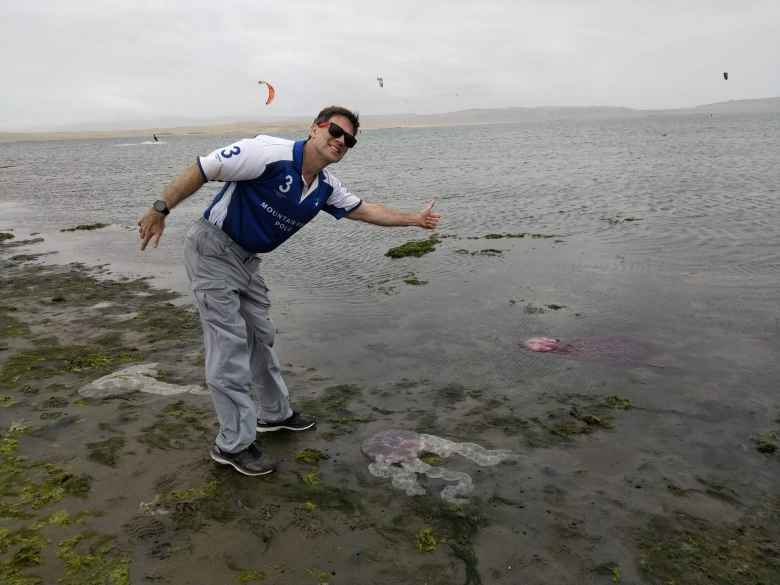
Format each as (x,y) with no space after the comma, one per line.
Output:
(119,489)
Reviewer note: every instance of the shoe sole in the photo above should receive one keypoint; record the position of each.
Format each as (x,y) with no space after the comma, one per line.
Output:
(284,428)
(222,461)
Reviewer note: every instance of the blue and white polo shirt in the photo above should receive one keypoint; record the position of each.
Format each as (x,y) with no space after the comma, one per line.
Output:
(264,200)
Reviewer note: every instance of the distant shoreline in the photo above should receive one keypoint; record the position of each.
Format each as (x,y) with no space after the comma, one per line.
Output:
(373,122)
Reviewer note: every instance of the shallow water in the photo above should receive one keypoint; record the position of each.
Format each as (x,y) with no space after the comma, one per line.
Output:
(666,231)
(699,260)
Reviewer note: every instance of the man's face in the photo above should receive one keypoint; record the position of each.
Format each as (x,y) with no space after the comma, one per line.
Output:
(330,148)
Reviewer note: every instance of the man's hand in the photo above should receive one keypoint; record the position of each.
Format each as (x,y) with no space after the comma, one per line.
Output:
(150,227)
(427,218)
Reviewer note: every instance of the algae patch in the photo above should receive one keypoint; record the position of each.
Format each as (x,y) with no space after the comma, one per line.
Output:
(27,487)
(414,248)
(50,361)
(458,526)
(177,425)
(691,551)
(93,559)
(766,442)
(85,227)
(414,281)
(106,452)
(9,326)
(426,540)
(333,407)
(310,456)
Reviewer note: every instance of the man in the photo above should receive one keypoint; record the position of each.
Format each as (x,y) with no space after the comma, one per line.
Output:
(273,187)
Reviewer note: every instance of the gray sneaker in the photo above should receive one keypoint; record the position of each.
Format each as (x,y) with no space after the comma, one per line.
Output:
(295,422)
(249,461)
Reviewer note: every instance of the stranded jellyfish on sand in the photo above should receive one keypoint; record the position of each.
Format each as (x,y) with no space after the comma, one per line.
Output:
(543,344)
(396,454)
(614,350)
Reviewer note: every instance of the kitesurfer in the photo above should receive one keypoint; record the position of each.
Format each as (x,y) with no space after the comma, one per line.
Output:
(272,188)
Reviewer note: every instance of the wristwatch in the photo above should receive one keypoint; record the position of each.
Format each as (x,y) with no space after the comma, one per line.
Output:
(161,206)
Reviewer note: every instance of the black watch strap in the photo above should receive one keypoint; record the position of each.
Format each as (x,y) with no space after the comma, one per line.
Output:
(161,206)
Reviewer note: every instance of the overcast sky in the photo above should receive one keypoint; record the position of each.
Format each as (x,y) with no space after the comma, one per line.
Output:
(105,63)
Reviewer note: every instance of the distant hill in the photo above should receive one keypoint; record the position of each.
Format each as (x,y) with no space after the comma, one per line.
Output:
(760,106)
(298,124)
(498,116)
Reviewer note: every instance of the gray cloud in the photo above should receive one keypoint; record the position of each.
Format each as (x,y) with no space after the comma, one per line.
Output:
(112,63)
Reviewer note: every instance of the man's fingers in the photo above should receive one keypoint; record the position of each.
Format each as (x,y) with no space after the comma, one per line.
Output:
(157,239)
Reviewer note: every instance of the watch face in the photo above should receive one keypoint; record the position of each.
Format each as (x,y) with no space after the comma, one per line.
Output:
(160,206)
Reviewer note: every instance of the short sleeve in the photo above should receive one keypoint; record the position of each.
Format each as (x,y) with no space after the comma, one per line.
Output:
(341,201)
(241,161)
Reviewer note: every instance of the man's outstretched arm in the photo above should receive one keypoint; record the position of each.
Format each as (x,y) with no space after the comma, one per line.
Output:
(378,214)
(152,223)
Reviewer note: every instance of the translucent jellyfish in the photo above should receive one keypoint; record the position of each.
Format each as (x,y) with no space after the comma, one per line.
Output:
(138,378)
(616,350)
(543,344)
(395,454)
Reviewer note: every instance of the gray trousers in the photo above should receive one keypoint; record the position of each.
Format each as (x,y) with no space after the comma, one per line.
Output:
(242,370)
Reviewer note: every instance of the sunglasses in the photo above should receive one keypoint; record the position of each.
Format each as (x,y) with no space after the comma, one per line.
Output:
(337,132)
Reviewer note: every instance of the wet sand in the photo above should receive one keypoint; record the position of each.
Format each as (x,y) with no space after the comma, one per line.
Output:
(611,484)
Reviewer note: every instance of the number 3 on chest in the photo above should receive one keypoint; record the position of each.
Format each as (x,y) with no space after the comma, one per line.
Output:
(286,187)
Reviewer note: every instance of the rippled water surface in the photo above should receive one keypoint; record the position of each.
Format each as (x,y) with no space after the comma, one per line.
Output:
(665,228)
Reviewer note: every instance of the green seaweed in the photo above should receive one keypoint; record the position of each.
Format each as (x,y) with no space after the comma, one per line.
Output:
(332,407)
(27,487)
(311,479)
(617,403)
(319,493)
(426,540)
(323,577)
(430,458)
(766,442)
(414,281)
(6,236)
(85,227)
(310,456)
(691,551)
(10,326)
(608,569)
(414,248)
(177,425)
(106,452)
(458,526)
(92,559)
(251,576)
(193,507)
(50,361)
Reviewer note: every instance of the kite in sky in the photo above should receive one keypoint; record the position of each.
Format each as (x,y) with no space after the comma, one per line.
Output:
(271,92)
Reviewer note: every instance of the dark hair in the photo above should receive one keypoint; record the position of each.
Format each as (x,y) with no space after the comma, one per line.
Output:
(327,113)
